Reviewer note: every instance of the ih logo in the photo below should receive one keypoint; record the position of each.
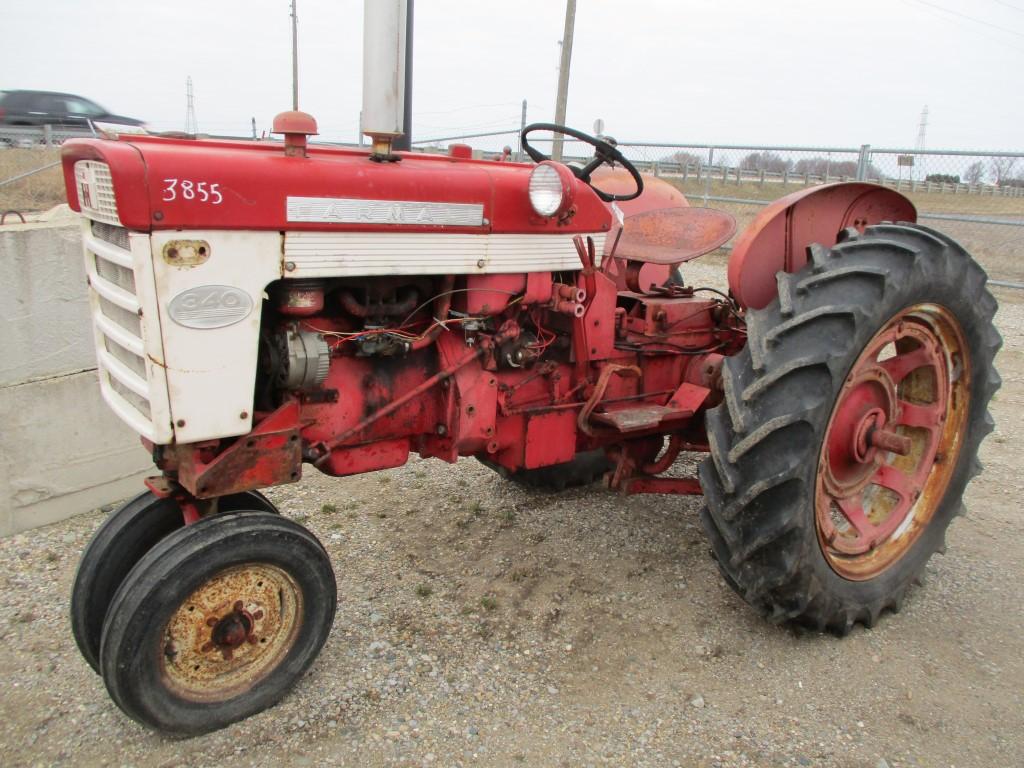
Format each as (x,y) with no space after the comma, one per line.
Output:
(84,198)
(210,306)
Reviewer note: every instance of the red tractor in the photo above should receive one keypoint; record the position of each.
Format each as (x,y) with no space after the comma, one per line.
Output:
(258,308)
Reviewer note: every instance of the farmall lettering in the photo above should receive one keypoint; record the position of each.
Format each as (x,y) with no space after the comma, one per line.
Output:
(363,211)
(396,214)
(835,392)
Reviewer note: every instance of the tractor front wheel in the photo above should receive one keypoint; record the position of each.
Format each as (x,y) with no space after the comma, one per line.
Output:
(217,622)
(118,544)
(850,426)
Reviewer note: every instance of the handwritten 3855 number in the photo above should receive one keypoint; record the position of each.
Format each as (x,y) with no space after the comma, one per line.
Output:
(185,189)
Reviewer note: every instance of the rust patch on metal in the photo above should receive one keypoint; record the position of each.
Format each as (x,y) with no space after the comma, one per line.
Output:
(269,455)
(186,253)
(674,235)
(231,632)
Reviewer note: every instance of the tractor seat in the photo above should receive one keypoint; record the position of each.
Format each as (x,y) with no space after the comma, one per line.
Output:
(673,235)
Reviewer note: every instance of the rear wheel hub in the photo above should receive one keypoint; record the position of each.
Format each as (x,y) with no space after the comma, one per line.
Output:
(891,441)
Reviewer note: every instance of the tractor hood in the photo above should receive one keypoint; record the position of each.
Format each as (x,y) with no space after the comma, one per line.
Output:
(167,183)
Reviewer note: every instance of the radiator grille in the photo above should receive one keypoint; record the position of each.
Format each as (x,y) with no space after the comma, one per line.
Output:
(137,401)
(120,276)
(136,362)
(114,235)
(131,385)
(123,317)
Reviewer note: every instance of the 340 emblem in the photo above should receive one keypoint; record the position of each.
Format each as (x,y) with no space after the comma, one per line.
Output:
(210,306)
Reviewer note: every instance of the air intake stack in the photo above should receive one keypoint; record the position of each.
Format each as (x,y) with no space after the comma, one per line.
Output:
(384,50)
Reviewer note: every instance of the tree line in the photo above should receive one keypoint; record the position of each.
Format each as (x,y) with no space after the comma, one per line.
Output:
(1001,171)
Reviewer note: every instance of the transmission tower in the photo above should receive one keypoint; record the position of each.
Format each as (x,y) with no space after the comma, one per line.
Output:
(191,127)
(922,130)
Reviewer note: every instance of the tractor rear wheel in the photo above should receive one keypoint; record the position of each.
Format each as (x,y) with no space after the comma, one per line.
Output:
(850,426)
(118,544)
(217,622)
(583,469)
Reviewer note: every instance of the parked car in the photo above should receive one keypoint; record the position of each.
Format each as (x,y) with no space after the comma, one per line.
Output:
(34,108)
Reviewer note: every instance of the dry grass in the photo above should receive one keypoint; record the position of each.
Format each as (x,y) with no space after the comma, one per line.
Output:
(931,202)
(996,247)
(38,192)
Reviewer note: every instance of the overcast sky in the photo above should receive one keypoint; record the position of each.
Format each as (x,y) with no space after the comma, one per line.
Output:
(734,71)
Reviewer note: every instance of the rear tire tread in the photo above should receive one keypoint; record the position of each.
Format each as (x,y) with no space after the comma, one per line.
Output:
(758,530)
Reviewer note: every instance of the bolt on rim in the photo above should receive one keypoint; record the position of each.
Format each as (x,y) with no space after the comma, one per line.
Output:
(231,632)
(892,441)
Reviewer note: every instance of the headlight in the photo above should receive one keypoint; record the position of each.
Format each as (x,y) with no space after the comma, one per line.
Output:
(551,189)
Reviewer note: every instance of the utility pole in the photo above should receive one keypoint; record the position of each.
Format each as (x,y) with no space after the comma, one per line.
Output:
(295,58)
(563,75)
(522,127)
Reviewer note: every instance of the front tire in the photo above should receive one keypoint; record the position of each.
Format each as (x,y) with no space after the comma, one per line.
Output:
(118,544)
(217,622)
(850,427)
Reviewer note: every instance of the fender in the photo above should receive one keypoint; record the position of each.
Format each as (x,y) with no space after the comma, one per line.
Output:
(778,237)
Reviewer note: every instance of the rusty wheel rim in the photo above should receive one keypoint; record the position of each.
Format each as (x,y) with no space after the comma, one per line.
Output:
(231,632)
(892,441)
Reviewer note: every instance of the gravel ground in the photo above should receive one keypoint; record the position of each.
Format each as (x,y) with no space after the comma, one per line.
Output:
(481,624)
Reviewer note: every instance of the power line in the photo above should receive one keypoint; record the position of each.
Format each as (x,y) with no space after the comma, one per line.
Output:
(1009,5)
(969,18)
(501,121)
(468,106)
(989,35)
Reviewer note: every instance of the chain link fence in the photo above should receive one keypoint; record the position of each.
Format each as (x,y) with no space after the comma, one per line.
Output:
(30,174)
(975,197)
(28,137)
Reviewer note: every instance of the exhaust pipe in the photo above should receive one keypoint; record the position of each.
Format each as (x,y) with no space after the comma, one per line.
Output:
(385,23)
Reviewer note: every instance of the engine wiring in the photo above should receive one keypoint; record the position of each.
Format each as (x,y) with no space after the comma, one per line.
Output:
(542,344)
(399,333)
(408,333)
(733,306)
(432,299)
(402,331)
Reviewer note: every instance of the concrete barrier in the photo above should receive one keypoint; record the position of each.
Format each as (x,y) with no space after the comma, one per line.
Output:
(62,451)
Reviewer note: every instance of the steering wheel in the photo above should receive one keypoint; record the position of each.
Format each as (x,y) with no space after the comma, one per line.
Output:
(604,152)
